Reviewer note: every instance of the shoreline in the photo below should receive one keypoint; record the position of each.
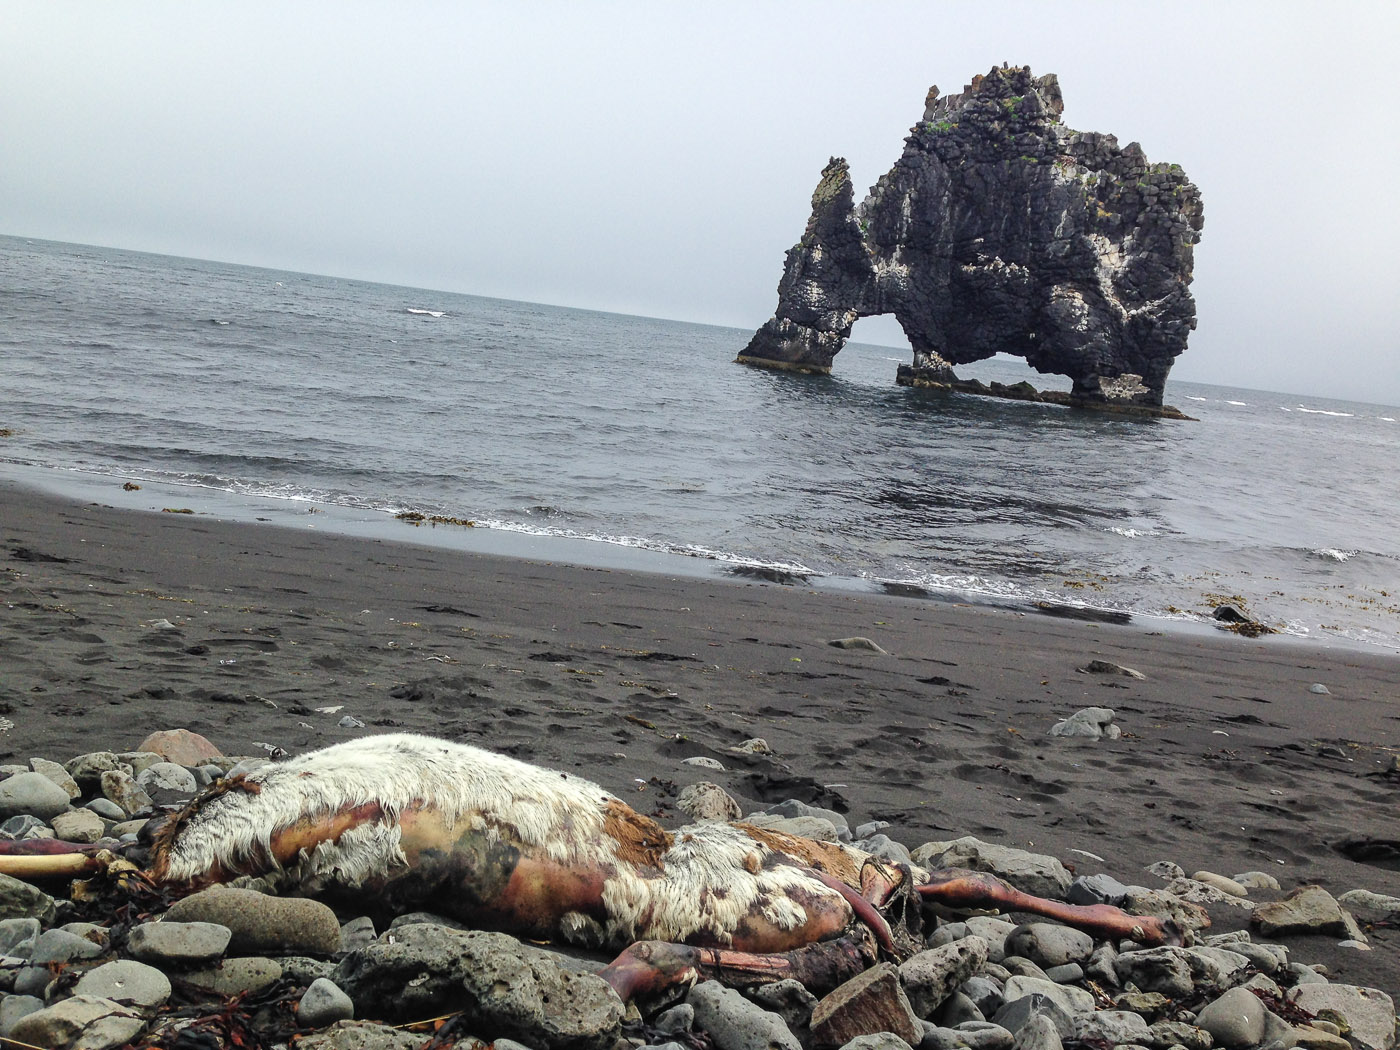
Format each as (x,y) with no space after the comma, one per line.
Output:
(118,622)
(79,485)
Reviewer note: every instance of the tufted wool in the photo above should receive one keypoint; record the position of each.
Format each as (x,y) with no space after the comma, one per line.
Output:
(708,881)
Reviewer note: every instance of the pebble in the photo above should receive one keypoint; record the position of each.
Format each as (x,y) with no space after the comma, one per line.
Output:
(1091,723)
(58,775)
(33,794)
(99,1023)
(133,984)
(705,762)
(180,746)
(932,976)
(79,825)
(1029,979)
(1319,689)
(734,1023)
(1235,1019)
(707,801)
(258,922)
(1371,907)
(173,943)
(322,1004)
(120,787)
(858,643)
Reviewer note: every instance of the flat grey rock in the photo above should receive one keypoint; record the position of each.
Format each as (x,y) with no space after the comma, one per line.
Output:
(734,1023)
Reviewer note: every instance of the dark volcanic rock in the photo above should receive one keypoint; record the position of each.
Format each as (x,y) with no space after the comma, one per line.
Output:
(1001,230)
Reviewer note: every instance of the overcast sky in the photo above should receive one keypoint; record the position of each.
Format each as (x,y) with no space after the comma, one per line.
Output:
(658,159)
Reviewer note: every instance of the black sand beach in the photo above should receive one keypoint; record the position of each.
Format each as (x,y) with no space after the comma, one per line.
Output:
(116,623)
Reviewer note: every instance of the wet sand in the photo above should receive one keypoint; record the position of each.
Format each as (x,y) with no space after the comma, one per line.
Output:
(115,623)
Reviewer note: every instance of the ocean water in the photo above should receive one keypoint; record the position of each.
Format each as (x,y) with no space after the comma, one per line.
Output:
(597,437)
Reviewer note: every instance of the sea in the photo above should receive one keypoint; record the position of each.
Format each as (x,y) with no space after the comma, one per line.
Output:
(618,441)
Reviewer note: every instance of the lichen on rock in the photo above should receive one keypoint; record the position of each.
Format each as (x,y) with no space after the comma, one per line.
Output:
(1000,230)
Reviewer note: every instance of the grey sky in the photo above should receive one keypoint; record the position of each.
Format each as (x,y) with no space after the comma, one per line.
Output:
(658,158)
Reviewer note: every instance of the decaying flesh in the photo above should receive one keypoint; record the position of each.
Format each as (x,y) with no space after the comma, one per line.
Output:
(406,822)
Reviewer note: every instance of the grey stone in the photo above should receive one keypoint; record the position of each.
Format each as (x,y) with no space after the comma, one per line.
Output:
(81,1022)
(1090,723)
(1114,1027)
(877,1041)
(1235,1019)
(705,762)
(87,769)
(1220,882)
(931,976)
(1096,889)
(1167,970)
(121,788)
(1187,916)
(176,944)
(34,794)
(1196,892)
(1034,873)
(1145,1004)
(1166,1034)
(58,775)
(1301,973)
(1257,880)
(357,933)
(984,1035)
(1016,1013)
(1166,870)
(957,1009)
(13,1007)
(1266,958)
(1105,667)
(1308,909)
(24,826)
(1368,1013)
(370,1035)
(947,933)
(138,986)
(1065,973)
(795,808)
(1072,1000)
(886,848)
(858,643)
(322,1004)
(707,801)
(79,825)
(1101,965)
(992,930)
(984,992)
(870,827)
(1371,907)
(167,781)
(17,936)
(261,923)
(302,969)
(505,988)
(1049,944)
(1038,1033)
(679,1018)
(1217,967)
(807,827)
(734,1023)
(235,976)
(1020,966)
(790,1000)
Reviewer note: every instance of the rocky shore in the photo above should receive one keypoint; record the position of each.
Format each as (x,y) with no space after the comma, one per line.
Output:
(111,962)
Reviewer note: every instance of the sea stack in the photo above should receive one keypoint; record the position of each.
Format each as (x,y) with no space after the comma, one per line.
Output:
(1001,230)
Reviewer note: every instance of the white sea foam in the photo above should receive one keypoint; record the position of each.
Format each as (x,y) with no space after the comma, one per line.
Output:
(1131,533)
(1191,397)
(1386,419)
(1321,412)
(1331,553)
(427,313)
(1242,404)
